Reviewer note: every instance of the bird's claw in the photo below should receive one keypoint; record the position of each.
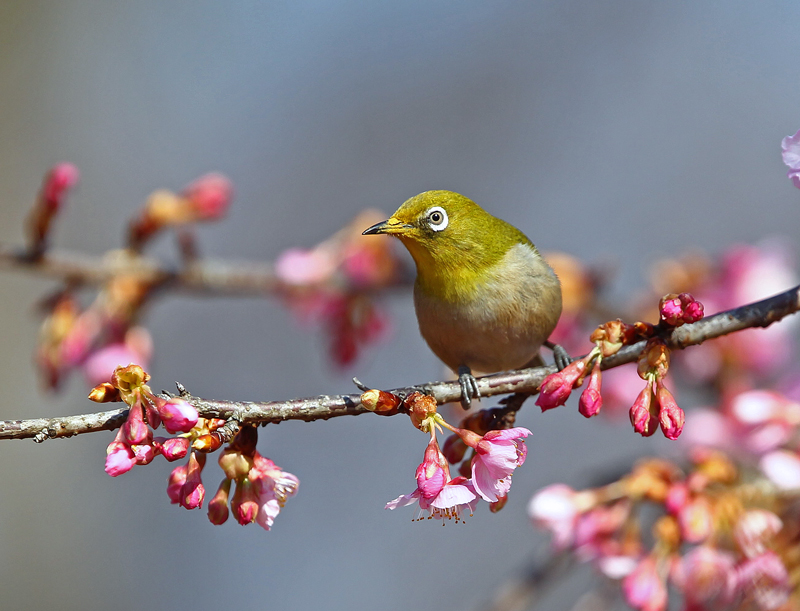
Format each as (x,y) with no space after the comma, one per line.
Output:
(560,355)
(469,387)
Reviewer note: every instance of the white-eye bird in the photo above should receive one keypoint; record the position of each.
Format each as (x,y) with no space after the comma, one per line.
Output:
(485,298)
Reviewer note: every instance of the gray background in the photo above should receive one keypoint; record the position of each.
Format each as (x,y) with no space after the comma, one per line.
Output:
(617,131)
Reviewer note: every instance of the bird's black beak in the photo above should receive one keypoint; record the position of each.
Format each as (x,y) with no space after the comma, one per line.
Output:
(391,226)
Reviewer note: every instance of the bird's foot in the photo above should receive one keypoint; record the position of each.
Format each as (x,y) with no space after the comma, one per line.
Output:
(469,386)
(560,355)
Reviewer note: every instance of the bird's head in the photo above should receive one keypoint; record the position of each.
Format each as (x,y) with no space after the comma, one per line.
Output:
(447,232)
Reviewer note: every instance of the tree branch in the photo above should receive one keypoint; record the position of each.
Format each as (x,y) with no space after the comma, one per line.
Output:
(200,277)
(759,314)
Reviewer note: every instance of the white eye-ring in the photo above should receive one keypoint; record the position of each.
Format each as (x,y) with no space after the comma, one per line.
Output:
(437,218)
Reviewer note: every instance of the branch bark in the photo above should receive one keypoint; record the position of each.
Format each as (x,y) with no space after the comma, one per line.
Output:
(760,314)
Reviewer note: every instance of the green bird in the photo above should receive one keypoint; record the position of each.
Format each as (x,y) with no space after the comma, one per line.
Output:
(485,298)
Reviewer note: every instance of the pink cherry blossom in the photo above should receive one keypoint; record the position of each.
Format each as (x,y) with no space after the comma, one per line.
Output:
(706,576)
(497,454)
(62,177)
(754,529)
(555,508)
(300,267)
(766,579)
(783,468)
(641,413)
(272,487)
(791,157)
(442,497)
(670,416)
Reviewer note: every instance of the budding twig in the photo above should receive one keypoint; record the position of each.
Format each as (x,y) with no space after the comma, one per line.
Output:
(324,407)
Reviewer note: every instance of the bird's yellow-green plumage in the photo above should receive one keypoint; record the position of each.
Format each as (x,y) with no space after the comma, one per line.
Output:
(485,299)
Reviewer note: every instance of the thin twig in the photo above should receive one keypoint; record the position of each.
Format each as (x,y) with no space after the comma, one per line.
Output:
(760,314)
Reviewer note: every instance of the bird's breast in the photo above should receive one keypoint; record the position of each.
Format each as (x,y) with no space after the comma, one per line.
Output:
(502,323)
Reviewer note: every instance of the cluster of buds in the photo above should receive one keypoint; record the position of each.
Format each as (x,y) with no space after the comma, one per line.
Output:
(134,443)
(329,284)
(676,310)
(715,541)
(655,406)
(556,388)
(261,487)
(495,454)
(206,199)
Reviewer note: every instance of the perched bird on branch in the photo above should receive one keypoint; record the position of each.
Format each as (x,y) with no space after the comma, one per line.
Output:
(485,298)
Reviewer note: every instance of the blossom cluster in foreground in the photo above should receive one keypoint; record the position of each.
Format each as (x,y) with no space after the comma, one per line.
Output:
(261,487)
(494,456)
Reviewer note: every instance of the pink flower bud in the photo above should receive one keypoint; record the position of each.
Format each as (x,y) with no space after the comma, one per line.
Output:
(590,402)
(210,196)
(143,453)
(218,506)
(244,503)
(234,464)
(62,176)
(175,483)
(193,492)
(693,312)
(134,430)
(644,589)
(671,310)
(556,388)
(177,415)
(175,448)
(119,459)
(642,418)
(670,416)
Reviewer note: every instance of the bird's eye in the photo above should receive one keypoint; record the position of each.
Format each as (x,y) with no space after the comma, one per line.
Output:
(437,218)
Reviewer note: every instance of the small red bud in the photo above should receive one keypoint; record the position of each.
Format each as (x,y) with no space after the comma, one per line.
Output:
(381,402)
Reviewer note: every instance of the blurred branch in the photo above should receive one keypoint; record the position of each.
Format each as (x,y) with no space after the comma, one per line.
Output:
(198,277)
(759,314)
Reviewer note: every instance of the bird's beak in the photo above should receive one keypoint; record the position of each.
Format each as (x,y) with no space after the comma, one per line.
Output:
(392,226)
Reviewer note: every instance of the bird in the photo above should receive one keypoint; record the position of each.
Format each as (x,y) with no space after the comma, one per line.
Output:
(485,299)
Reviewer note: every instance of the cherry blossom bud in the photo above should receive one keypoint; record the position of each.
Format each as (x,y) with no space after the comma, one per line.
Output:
(218,506)
(381,402)
(696,520)
(670,416)
(119,459)
(134,430)
(104,393)
(654,359)
(692,312)
(642,418)
(143,453)
(177,415)
(210,442)
(175,448)
(244,504)
(234,464)
(175,483)
(454,449)
(193,492)
(210,195)
(590,402)
(644,589)
(498,505)
(671,310)
(556,388)
(58,181)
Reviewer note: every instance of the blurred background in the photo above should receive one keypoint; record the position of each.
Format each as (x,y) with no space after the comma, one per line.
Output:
(619,132)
